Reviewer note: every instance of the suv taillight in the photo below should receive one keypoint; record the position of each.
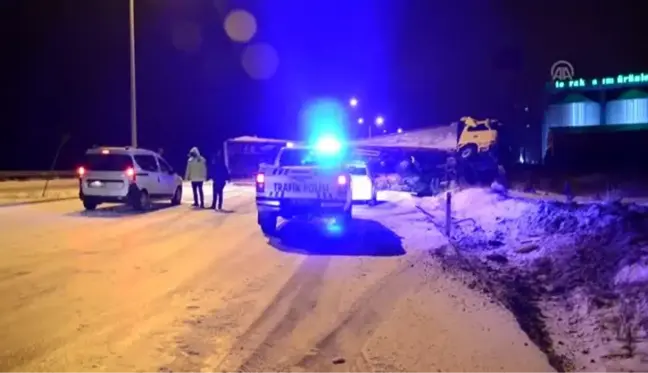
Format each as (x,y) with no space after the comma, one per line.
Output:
(130,173)
(260,182)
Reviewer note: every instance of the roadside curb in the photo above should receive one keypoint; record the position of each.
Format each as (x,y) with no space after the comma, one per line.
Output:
(13,204)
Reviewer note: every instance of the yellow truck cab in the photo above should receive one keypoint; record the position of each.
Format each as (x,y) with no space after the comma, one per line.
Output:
(477,136)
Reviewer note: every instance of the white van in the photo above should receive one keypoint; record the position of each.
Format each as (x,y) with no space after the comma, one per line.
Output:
(127,175)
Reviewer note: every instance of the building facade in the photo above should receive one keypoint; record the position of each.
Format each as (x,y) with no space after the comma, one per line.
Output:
(581,108)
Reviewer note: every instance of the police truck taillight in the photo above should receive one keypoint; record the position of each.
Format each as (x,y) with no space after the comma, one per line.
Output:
(343,184)
(260,182)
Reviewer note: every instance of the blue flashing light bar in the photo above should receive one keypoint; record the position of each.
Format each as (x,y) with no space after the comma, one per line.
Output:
(328,145)
(605,82)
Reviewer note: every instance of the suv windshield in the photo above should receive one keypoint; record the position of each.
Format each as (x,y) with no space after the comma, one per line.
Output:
(107,162)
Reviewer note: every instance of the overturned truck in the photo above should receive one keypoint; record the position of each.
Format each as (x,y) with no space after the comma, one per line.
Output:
(432,159)
(424,161)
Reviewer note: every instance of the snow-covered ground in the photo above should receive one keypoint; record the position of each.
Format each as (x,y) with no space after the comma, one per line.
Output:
(179,289)
(575,275)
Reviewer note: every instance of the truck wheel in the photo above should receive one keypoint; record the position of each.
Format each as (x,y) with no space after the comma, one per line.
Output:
(268,224)
(468,151)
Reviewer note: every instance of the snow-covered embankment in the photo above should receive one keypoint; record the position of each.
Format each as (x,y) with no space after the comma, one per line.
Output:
(574,275)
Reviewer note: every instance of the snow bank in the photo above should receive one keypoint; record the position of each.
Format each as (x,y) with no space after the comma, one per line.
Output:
(30,185)
(575,276)
(12,192)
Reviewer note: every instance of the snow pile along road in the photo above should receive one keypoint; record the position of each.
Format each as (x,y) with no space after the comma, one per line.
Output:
(575,276)
(25,191)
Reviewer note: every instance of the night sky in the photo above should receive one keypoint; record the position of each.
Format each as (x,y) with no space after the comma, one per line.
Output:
(418,62)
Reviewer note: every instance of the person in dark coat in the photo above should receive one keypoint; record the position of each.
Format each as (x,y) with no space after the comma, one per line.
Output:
(220,177)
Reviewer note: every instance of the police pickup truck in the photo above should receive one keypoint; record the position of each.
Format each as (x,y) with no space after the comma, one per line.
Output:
(302,183)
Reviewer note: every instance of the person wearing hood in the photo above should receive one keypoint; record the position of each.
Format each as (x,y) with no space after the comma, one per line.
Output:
(196,174)
(220,177)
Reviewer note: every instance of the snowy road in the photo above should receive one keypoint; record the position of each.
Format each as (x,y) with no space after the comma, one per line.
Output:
(179,289)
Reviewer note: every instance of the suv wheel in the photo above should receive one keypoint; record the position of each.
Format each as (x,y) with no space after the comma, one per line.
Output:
(143,202)
(89,204)
(177,196)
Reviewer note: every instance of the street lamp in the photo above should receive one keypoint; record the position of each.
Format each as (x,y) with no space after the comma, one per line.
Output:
(380,121)
(360,120)
(353,102)
(133,90)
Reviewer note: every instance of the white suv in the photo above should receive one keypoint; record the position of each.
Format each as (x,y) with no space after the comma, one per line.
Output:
(127,175)
(363,187)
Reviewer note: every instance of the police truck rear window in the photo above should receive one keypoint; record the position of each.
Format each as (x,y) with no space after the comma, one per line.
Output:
(107,162)
(296,157)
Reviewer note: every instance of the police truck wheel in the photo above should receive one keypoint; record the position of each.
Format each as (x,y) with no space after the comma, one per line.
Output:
(177,197)
(89,205)
(268,224)
(347,217)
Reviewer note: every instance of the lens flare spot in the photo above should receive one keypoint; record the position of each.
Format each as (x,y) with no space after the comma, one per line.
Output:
(260,61)
(240,25)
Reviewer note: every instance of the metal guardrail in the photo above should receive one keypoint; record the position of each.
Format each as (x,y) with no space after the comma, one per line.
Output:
(37,175)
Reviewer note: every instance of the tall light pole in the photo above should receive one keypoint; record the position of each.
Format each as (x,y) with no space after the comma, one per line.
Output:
(133,90)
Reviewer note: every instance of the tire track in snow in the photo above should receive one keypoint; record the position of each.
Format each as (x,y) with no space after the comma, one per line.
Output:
(176,223)
(67,257)
(271,331)
(148,304)
(349,338)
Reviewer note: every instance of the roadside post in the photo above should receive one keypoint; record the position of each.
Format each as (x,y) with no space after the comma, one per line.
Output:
(64,140)
(448,213)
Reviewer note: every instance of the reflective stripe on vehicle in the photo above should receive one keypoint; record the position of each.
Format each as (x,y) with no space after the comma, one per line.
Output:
(279,171)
